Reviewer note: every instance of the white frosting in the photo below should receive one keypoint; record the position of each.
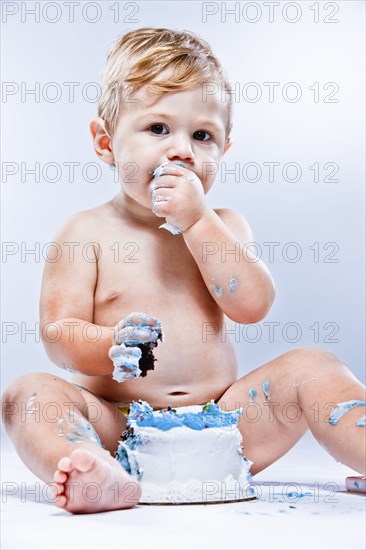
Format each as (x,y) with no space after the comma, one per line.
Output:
(186,465)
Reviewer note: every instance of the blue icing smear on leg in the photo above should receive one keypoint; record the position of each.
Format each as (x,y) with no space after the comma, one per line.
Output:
(233,284)
(361,422)
(342,408)
(78,430)
(218,290)
(31,407)
(265,389)
(252,393)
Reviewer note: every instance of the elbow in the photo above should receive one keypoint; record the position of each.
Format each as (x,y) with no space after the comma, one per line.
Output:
(51,337)
(256,309)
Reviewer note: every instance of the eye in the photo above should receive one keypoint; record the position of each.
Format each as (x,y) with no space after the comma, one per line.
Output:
(157,129)
(200,135)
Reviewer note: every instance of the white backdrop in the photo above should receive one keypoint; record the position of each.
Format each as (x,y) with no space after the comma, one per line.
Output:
(297,69)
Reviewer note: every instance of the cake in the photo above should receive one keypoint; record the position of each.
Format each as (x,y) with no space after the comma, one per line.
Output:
(185,455)
(147,359)
(134,358)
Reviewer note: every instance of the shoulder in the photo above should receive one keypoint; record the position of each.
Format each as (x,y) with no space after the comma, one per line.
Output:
(236,223)
(83,225)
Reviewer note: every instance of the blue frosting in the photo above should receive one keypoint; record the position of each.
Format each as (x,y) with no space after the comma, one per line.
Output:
(126,367)
(343,408)
(252,393)
(156,174)
(133,335)
(169,227)
(361,422)
(265,389)
(78,430)
(218,290)
(210,416)
(233,284)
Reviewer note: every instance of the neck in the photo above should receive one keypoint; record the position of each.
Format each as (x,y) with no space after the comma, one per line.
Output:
(128,208)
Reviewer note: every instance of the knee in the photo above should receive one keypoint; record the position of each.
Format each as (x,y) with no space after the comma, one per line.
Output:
(19,391)
(25,384)
(311,360)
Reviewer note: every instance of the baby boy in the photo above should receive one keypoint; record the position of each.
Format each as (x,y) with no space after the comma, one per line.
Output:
(164,122)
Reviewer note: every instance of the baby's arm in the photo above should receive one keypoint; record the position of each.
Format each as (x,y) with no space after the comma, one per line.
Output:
(67,303)
(239,282)
(135,337)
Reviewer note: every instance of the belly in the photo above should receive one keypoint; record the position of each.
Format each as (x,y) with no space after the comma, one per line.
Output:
(194,362)
(191,372)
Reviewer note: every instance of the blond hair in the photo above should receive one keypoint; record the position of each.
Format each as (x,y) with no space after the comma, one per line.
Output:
(164,60)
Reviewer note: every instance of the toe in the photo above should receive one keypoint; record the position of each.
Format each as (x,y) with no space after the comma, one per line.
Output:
(60,476)
(61,501)
(57,489)
(83,460)
(65,464)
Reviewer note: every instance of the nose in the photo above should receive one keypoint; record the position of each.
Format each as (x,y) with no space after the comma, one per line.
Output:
(180,148)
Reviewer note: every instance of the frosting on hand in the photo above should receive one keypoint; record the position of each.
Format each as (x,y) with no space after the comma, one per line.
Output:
(136,331)
(156,174)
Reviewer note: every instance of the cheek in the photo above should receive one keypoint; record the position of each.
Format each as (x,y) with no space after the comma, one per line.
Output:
(131,169)
(208,184)
(209,171)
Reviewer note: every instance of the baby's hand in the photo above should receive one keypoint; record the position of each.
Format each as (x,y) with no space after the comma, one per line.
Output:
(136,328)
(178,196)
(126,362)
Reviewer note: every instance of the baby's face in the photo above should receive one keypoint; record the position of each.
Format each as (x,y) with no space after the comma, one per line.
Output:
(184,126)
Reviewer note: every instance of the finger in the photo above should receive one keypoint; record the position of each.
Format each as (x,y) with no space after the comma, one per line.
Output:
(114,350)
(164,167)
(126,357)
(128,328)
(139,318)
(166,181)
(161,193)
(138,334)
(161,209)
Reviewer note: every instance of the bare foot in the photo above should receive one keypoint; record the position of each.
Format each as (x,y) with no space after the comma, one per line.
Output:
(88,482)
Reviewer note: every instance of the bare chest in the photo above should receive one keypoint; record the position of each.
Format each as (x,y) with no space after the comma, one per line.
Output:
(148,272)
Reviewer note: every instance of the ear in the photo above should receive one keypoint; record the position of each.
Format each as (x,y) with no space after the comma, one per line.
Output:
(228,145)
(101,140)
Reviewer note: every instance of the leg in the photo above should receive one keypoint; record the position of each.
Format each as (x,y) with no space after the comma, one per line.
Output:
(304,387)
(58,431)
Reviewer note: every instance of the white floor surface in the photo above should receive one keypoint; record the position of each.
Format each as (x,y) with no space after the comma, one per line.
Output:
(301,504)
